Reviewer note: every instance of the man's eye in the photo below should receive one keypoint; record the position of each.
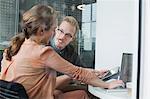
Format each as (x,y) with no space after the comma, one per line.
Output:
(69,35)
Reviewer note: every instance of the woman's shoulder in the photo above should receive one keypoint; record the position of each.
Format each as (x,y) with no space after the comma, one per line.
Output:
(47,51)
(45,48)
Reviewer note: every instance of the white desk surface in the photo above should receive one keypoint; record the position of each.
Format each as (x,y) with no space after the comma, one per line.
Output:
(103,94)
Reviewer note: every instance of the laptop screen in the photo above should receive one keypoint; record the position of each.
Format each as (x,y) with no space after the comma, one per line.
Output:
(126,67)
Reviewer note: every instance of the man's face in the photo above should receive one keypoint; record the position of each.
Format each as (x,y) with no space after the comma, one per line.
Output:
(64,35)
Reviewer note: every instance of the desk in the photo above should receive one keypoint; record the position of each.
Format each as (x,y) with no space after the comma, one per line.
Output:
(103,94)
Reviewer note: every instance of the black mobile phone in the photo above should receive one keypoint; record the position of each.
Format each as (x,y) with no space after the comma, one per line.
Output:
(111,74)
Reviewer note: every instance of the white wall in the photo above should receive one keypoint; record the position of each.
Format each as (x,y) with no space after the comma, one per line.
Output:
(117,23)
(145,59)
(117,33)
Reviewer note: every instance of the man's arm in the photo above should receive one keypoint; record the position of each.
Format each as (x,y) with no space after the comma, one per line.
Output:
(62,81)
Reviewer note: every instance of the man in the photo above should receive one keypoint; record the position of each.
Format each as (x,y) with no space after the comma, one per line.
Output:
(65,34)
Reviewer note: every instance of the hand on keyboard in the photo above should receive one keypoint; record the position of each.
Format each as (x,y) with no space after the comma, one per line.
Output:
(120,87)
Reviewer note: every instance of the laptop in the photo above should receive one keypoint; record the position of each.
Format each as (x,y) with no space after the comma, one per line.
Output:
(124,74)
(126,67)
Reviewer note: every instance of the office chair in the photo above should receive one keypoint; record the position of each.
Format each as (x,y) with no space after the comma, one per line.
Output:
(12,90)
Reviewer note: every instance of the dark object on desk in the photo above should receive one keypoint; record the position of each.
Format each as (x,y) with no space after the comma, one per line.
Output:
(126,67)
(112,74)
(12,90)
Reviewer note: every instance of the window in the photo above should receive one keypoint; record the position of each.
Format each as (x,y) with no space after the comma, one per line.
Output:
(8,20)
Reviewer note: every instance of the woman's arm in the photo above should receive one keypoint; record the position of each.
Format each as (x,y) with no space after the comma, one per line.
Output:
(56,62)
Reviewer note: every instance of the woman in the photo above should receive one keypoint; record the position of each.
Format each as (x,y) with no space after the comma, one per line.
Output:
(29,61)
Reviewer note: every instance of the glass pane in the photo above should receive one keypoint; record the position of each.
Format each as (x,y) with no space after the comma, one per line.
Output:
(87,39)
(86,14)
(8,21)
(94,12)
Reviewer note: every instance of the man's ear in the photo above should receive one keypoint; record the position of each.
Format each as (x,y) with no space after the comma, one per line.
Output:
(74,38)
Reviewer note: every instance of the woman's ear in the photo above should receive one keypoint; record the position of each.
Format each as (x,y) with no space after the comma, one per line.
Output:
(40,31)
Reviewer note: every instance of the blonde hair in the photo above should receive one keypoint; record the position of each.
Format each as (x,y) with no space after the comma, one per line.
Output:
(72,21)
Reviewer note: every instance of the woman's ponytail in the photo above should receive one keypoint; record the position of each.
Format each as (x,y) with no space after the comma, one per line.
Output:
(15,45)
